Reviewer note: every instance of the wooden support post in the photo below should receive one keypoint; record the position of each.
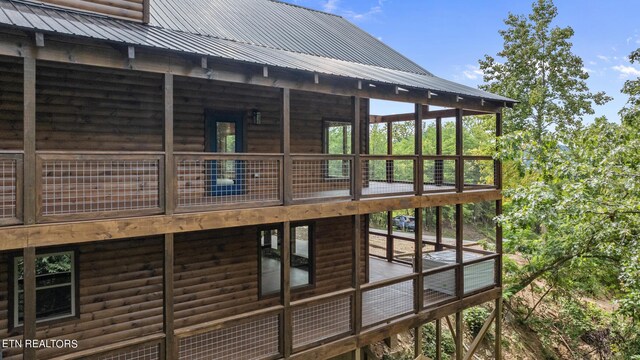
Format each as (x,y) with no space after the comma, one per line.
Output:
(417,266)
(171,351)
(459,151)
(389,151)
(131,52)
(498,330)
(419,181)
(459,250)
(169,171)
(389,236)
(285,291)
(438,175)
(356,146)
(438,246)
(285,125)
(29,141)
(438,339)
(417,342)
(498,163)
(459,336)
(39,39)
(29,311)
(356,307)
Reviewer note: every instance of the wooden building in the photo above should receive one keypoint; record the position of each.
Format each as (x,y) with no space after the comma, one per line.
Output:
(191,179)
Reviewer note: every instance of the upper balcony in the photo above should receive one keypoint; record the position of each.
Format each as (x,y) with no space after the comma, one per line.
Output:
(113,144)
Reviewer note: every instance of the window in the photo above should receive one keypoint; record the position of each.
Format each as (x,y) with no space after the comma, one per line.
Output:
(301,259)
(55,287)
(337,141)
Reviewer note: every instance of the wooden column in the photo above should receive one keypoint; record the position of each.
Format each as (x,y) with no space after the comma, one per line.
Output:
(285,125)
(417,341)
(419,180)
(29,141)
(498,304)
(389,151)
(389,236)
(29,317)
(438,228)
(356,145)
(417,266)
(498,330)
(169,178)
(498,163)
(459,250)
(438,339)
(355,277)
(285,291)
(459,151)
(171,351)
(438,175)
(459,336)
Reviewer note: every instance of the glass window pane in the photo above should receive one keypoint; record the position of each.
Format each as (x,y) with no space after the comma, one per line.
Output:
(270,260)
(52,302)
(226,137)
(338,138)
(301,263)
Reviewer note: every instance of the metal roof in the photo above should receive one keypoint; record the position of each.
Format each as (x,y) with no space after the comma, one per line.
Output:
(271,50)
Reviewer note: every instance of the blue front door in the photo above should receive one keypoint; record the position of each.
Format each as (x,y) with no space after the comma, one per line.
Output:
(225,135)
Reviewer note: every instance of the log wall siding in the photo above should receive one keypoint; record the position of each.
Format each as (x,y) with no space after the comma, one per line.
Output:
(120,297)
(216,272)
(125,9)
(89,108)
(11,103)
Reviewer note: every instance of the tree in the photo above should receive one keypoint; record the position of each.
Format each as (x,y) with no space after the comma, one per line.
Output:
(538,69)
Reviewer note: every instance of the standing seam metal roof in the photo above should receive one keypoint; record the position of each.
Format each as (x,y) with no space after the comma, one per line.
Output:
(325,60)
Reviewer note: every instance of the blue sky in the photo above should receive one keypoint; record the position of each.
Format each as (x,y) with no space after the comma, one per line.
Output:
(448,37)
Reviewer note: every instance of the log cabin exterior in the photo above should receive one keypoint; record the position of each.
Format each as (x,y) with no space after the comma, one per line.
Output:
(175,168)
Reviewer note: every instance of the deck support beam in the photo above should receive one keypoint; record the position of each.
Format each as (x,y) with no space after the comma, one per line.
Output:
(285,125)
(356,282)
(29,141)
(356,146)
(285,291)
(170,348)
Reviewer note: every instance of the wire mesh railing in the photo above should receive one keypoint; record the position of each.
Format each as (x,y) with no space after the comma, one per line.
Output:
(219,181)
(439,173)
(388,175)
(92,185)
(322,177)
(439,283)
(10,188)
(479,271)
(479,172)
(391,299)
(320,320)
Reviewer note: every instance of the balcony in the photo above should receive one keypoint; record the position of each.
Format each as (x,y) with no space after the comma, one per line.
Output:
(97,185)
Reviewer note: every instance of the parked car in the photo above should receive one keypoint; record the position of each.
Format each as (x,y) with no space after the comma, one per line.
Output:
(404,222)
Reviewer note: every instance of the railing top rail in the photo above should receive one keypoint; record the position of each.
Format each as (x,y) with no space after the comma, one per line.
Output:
(323,156)
(440,157)
(83,152)
(144,340)
(387,282)
(481,259)
(440,269)
(228,155)
(324,297)
(388,157)
(477,157)
(11,152)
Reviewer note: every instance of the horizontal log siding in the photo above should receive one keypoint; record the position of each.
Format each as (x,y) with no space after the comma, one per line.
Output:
(120,297)
(125,9)
(193,96)
(216,273)
(88,108)
(11,103)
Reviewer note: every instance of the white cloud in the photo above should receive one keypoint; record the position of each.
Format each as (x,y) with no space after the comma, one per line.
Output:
(330,5)
(472,72)
(626,71)
(365,15)
(603,58)
(593,62)
(586,69)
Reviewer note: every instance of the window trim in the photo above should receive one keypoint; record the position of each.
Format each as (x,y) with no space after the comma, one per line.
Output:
(312,257)
(12,311)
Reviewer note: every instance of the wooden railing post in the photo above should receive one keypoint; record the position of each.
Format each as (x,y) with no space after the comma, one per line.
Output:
(419,287)
(498,163)
(29,141)
(355,277)
(389,163)
(285,125)
(438,169)
(419,180)
(285,291)
(29,311)
(169,170)
(459,151)
(356,146)
(171,351)
(459,250)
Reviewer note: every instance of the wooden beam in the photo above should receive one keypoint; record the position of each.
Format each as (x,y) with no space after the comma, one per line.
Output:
(39,39)
(459,151)
(426,115)
(169,168)
(355,276)
(418,148)
(97,53)
(285,291)
(438,339)
(417,342)
(29,141)
(171,350)
(285,125)
(498,329)
(29,295)
(459,250)
(417,266)
(459,339)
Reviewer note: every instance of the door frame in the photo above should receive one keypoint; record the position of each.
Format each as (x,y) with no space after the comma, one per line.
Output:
(211,118)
